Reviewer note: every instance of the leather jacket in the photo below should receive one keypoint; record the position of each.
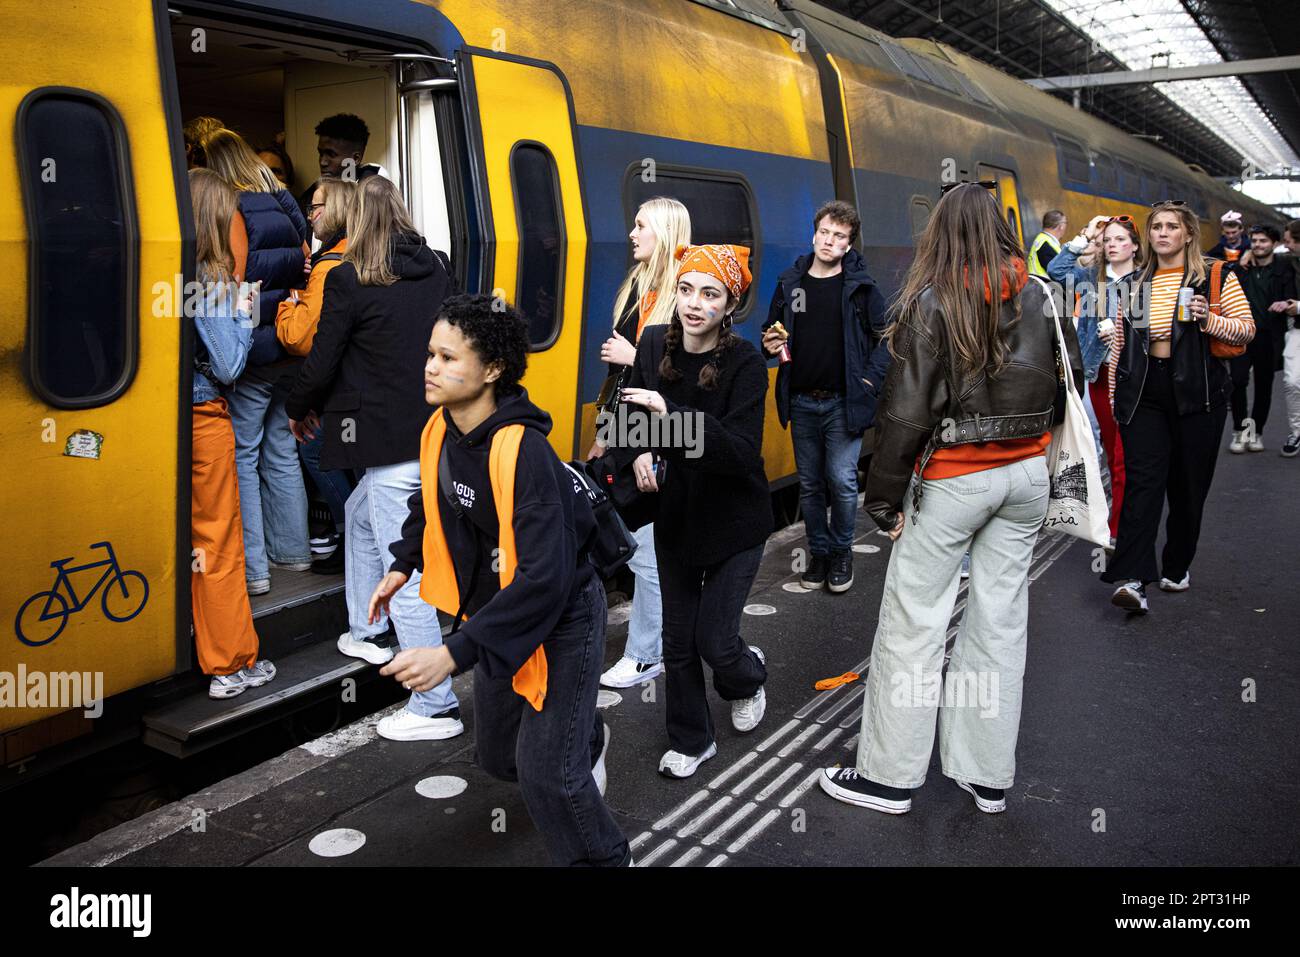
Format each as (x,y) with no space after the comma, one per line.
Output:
(925,407)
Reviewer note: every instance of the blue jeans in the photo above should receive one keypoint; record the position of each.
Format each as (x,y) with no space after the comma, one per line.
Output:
(551,752)
(376,510)
(272,498)
(334,485)
(826,455)
(645,627)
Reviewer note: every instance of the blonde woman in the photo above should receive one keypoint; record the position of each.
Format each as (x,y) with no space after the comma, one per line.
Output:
(268,240)
(1171,401)
(364,381)
(647,297)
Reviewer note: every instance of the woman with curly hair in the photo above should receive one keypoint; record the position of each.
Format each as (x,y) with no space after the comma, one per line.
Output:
(714,508)
(502,531)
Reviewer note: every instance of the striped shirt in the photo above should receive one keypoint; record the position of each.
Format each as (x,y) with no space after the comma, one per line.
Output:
(1232,323)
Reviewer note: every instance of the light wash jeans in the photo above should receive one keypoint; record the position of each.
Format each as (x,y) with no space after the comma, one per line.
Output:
(997,514)
(645,643)
(376,510)
(1291,379)
(1092,420)
(272,497)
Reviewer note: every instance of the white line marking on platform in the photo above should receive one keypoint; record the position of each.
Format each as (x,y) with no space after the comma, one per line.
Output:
(799,741)
(735,768)
(803,786)
(713,836)
(780,780)
(825,742)
(681,809)
(755,829)
(785,729)
(718,861)
(766,766)
(640,839)
(686,858)
(657,853)
(718,807)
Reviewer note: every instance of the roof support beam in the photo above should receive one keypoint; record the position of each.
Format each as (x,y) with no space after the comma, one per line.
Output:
(1277,64)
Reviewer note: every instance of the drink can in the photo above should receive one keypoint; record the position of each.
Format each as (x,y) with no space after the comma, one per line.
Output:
(1105,327)
(1184,303)
(783,353)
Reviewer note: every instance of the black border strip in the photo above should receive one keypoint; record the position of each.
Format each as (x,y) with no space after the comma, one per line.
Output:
(130,251)
(556,193)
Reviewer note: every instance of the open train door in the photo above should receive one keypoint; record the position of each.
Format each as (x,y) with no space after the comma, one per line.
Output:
(520,130)
(95,393)
(1008,197)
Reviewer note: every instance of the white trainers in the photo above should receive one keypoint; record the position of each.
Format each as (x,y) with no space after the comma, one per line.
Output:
(408,726)
(366,650)
(748,712)
(254,676)
(293,566)
(1238,443)
(598,772)
(259,586)
(1131,596)
(1256,444)
(1168,585)
(674,764)
(628,672)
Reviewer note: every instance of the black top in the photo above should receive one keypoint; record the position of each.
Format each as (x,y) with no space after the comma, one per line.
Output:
(1045,256)
(817,363)
(1265,285)
(553,525)
(714,501)
(626,325)
(365,371)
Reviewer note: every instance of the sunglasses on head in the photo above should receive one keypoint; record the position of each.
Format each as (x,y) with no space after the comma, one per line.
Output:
(1122,218)
(986,183)
(1169,202)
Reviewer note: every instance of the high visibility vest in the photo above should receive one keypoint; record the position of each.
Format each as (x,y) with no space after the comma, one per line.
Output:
(1035,267)
(438,585)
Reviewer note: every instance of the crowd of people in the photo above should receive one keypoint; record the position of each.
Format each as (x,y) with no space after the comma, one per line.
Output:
(335,350)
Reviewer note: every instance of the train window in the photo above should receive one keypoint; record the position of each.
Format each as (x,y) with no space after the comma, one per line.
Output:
(541,240)
(721,205)
(1130,180)
(1013,223)
(920,216)
(1105,167)
(974,90)
(1073,160)
(1152,189)
(80,209)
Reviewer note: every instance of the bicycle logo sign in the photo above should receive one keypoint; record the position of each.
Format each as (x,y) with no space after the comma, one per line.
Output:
(43,616)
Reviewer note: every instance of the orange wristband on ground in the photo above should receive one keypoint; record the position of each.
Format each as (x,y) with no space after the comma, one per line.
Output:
(826,684)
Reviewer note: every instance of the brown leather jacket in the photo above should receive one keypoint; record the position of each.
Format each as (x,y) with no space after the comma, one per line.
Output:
(921,404)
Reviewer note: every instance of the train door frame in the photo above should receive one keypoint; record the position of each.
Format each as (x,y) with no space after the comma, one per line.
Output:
(1008,195)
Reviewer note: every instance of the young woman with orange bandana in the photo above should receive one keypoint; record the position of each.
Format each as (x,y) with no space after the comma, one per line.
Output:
(714,507)
(500,532)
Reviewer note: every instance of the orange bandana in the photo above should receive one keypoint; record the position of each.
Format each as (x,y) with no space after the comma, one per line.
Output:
(727,264)
(1013,280)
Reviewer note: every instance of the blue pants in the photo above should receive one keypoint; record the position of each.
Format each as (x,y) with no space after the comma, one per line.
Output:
(826,455)
(334,485)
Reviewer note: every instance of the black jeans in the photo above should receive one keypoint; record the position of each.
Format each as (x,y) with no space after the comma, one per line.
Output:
(1260,357)
(551,752)
(702,609)
(1166,455)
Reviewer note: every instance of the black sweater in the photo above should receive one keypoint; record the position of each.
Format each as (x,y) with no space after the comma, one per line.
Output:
(553,526)
(714,501)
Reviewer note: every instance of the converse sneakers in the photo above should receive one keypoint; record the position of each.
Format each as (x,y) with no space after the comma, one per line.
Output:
(815,575)
(988,800)
(408,726)
(629,672)
(840,578)
(1131,596)
(1291,446)
(847,785)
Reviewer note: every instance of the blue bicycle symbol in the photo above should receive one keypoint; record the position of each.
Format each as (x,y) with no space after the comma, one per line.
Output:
(48,611)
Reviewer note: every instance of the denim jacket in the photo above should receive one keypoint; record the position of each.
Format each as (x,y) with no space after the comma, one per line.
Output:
(225,333)
(1065,269)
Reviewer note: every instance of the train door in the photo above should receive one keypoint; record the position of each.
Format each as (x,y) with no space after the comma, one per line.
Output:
(94,394)
(1008,197)
(519,124)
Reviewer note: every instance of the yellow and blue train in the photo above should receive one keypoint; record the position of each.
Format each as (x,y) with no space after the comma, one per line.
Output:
(524,134)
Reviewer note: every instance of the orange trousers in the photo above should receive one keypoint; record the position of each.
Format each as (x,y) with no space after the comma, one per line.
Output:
(223,618)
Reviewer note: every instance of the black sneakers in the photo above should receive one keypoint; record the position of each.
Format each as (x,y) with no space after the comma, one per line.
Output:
(847,785)
(1291,446)
(841,575)
(988,800)
(815,576)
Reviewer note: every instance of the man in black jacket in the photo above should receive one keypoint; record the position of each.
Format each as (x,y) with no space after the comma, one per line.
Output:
(1268,280)
(825,324)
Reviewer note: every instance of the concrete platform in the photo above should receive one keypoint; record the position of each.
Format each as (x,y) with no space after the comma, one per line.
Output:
(1139,723)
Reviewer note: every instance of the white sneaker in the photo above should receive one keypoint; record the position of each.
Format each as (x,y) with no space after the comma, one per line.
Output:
(1131,596)
(293,566)
(407,726)
(254,676)
(674,764)
(366,650)
(628,672)
(259,586)
(324,545)
(748,712)
(598,772)
(1256,444)
(1238,443)
(1186,583)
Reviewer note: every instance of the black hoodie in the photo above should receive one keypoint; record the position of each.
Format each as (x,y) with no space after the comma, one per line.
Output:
(365,372)
(553,525)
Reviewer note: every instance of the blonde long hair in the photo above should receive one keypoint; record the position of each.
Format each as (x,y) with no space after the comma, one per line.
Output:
(376,218)
(340,197)
(1194,262)
(671,222)
(215,202)
(234,161)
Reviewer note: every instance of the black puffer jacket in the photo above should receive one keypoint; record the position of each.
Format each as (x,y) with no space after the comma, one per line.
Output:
(923,401)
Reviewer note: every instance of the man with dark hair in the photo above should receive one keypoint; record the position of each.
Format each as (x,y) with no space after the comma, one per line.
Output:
(1047,243)
(1233,242)
(1287,311)
(825,324)
(1267,282)
(341,146)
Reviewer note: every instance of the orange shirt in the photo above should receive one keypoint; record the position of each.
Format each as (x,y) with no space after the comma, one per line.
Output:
(953,460)
(296,320)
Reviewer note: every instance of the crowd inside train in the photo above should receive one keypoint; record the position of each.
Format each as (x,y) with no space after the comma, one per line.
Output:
(334,345)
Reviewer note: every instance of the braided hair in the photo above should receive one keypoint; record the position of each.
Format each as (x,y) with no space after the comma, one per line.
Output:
(708,379)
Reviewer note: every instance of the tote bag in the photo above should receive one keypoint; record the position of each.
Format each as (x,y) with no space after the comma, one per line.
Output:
(1077,502)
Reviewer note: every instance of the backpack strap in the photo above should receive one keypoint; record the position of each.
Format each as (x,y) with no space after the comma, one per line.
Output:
(1216,284)
(332,257)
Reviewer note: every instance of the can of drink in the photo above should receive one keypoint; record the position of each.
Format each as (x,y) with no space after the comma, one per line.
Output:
(783,353)
(1184,303)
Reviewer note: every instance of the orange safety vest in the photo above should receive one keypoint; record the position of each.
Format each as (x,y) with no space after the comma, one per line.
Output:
(438,585)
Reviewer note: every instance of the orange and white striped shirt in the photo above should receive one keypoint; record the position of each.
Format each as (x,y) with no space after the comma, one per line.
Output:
(1232,323)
